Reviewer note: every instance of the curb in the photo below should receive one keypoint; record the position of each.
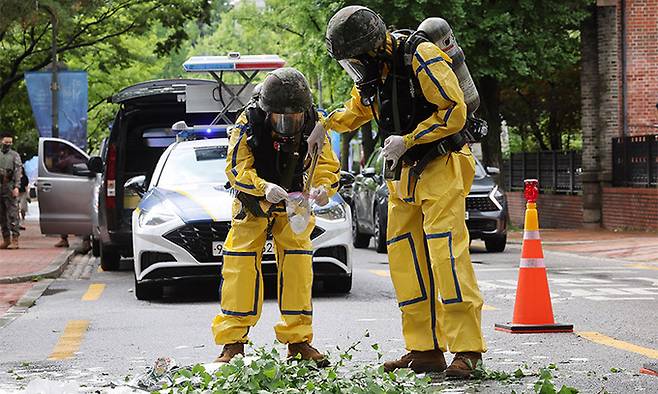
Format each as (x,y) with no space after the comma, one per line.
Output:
(25,302)
(555,243)
(54,269)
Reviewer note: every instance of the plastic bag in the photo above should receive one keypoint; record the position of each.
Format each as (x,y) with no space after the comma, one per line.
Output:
(298,208)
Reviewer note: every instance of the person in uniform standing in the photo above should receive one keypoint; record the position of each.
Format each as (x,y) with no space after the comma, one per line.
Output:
(266,161)
(408,87)
(10,178)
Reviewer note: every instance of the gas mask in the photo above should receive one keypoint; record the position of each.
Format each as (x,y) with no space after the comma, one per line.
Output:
(5,148)
(287,130)
(364,71)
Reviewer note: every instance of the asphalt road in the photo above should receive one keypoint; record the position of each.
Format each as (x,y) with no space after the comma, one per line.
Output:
(111,335)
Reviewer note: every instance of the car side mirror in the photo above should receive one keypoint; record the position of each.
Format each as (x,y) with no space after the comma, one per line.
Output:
(136,184)
(95,164)
(369,172)
(346,178)
(81,169)
(493,170)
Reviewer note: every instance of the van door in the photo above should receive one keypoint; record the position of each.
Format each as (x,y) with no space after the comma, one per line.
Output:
(65,188)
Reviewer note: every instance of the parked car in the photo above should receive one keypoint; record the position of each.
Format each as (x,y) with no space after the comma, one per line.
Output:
(180,224)
(486,207)
(139,135)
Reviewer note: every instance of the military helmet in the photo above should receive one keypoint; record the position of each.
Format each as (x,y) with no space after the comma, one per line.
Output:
(354,31)
(285,91)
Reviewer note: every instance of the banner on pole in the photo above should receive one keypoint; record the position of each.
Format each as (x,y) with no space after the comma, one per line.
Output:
(72,101)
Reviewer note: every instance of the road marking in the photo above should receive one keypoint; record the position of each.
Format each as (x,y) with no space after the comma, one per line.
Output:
(94,292)
(383,273)
(643,266)
(486,307)
(611,342)
(70,340)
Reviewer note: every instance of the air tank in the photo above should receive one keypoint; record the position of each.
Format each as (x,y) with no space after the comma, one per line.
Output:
(440,32)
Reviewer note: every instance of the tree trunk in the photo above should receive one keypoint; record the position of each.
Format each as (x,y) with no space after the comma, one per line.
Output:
(490,97)
(367,140)
(345,139)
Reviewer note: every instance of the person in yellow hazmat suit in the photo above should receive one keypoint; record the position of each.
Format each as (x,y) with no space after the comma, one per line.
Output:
(405,83)
(266,162)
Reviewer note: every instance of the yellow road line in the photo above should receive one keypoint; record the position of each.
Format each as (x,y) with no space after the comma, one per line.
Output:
(616,343)
(643,266)
(384,273)
(70,340)
(486,307)
(94,292)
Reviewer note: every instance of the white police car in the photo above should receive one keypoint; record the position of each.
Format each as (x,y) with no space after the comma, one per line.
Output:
(182,220)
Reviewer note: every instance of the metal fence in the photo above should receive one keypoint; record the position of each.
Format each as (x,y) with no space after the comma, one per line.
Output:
(557,172)
(635,161)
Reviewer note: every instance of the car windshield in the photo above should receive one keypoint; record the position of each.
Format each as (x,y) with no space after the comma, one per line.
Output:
(194,165)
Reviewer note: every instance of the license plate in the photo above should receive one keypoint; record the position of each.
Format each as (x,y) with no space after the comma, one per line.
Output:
(467,216)
(218,248)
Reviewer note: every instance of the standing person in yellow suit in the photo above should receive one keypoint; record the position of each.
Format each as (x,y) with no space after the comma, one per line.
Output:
(267,152)
(408,87)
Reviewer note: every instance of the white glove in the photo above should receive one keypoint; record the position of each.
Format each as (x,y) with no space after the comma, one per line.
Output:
(316,138)
(275,193)
(319,194)
(394,148)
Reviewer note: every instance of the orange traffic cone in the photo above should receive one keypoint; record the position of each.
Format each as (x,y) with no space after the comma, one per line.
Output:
(533,311)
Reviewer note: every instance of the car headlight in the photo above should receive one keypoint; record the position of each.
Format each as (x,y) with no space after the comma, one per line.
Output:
(332,211)
(157,215)
(497,197)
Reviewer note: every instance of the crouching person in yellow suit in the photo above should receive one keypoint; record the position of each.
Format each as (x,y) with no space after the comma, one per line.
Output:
(266,161)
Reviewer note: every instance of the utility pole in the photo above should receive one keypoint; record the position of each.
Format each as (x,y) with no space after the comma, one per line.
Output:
(54,85)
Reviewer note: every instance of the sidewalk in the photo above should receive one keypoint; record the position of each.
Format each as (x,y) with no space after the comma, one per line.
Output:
(19,269)
(638,247)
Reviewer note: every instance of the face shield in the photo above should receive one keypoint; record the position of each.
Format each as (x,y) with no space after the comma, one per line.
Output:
(287,124)
(356,69)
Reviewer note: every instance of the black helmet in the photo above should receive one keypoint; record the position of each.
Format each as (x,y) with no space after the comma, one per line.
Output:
(285,91)
(286,97)
(354,31)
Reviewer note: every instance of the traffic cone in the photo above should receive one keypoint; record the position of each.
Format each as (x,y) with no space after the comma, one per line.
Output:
(533,311)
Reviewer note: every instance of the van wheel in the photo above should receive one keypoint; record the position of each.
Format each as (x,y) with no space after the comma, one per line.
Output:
(380,231)
(95,247)
(109,259)
(496,244)
(147,291)
(339,284)
(359,239)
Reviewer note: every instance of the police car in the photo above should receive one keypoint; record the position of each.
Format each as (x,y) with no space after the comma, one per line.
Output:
(181,223)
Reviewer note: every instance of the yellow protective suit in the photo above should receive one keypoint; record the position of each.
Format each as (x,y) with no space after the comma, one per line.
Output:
(241,289)
(427,236)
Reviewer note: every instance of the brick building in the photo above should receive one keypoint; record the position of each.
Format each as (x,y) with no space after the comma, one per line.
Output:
(619,96)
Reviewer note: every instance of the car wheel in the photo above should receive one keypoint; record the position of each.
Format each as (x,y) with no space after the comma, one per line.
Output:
(109,259)
(359,239)
(338,284)
(380,231)
(147,291)
(496,244)
(95,247)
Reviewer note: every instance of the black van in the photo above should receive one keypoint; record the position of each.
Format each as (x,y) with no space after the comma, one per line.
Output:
(140,133)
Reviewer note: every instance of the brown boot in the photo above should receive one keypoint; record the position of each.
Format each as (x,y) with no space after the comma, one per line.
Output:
(427,361)
(63,243)
(230,350)
(307,352)
(14,243)
(463,365)
(5,242)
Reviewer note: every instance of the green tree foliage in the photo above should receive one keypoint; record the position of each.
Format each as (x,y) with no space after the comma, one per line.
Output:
(506,42)
(85,29)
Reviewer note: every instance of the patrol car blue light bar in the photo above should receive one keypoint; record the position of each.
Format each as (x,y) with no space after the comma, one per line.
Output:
(203,132)
(233,62)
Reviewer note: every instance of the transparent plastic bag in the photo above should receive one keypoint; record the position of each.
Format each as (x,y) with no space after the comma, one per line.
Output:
(298,208)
